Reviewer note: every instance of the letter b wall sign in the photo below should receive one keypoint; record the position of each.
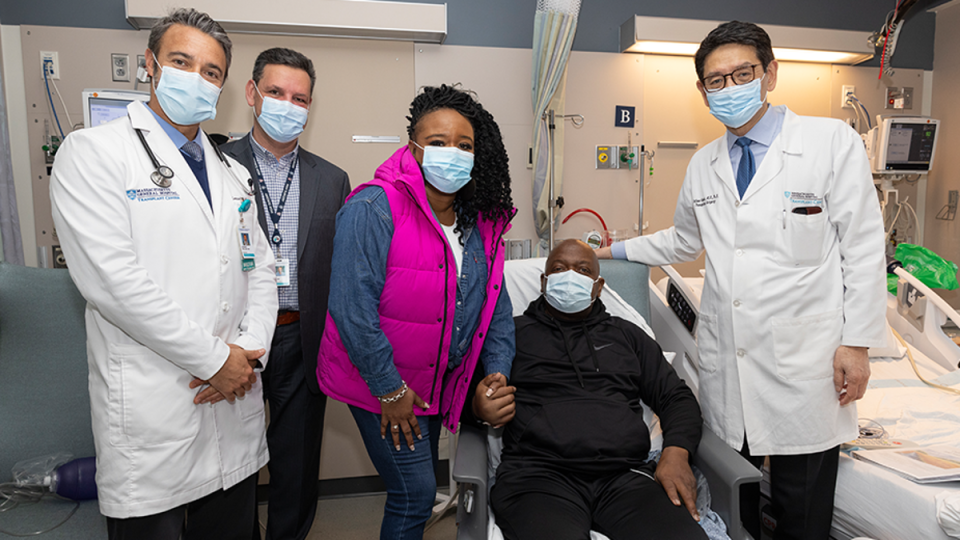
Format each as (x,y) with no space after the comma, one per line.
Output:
(624,116)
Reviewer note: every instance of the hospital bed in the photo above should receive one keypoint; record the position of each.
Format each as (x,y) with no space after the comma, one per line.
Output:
(872,501)
(628,293)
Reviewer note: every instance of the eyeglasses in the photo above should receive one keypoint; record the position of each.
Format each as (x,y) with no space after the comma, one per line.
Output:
(743,75)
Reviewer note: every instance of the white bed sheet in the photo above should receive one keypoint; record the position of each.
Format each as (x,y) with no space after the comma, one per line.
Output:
(875,502)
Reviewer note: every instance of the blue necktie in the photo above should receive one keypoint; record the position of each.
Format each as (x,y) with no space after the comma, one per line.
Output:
(194,153)
(748,166)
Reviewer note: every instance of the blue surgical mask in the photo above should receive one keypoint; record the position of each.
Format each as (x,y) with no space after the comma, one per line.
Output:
(569,292)
(186,97)
(281,120)
(736,105)
(447,168)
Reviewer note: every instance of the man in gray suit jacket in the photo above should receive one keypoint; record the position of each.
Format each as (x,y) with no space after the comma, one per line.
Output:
(299,195)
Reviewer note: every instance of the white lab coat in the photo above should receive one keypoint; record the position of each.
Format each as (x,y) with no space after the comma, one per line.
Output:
(165,295)
(782,290)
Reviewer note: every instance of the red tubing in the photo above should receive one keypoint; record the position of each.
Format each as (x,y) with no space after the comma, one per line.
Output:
(602,222)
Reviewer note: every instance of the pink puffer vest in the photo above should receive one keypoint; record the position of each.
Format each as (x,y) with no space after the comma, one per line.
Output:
(417,303)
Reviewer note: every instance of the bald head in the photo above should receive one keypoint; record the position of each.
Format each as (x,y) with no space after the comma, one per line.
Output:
(573,255)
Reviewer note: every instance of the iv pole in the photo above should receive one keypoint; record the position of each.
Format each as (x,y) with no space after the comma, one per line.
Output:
(553,202)
(643,158)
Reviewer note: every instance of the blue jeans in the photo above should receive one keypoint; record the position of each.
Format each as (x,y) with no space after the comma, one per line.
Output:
(410,476)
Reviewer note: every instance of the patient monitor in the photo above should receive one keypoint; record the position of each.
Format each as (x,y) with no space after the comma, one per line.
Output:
(902,145)
(103,105)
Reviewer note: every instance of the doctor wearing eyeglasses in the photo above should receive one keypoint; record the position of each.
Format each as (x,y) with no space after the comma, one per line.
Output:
(160,233)
(785,209)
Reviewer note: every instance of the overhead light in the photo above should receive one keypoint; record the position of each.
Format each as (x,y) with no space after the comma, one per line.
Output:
(682,37)
(400,21)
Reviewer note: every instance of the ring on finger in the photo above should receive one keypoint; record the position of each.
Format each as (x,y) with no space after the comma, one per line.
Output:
(396,427)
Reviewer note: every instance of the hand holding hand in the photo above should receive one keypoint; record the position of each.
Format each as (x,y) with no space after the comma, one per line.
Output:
(851,372)
(397,417)
(493,402)
(234,378)
(676,477)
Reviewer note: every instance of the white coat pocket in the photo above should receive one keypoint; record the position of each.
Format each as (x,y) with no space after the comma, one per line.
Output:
(251,404)
(803,238)
(150,401)
(708,343)
(805,346)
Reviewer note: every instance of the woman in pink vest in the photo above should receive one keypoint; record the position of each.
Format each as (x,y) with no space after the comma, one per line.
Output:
(417,302)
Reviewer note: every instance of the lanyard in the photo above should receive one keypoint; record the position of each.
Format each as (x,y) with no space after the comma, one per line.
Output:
(276,213)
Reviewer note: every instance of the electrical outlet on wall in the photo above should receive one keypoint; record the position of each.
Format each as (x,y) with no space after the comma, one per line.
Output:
(50,61)
(120,66)
(845,92)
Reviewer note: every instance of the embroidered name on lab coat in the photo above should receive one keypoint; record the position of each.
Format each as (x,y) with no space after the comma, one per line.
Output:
(152,194)
(704,201)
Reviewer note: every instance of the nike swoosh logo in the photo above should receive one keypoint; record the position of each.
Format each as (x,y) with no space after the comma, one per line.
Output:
(598,347)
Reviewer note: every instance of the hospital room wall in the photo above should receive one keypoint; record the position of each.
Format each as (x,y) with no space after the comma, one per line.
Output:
(669,108)
(348,101)
(374,100)
(943,236)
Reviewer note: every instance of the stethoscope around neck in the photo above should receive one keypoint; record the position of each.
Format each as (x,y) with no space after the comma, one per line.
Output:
(162,175)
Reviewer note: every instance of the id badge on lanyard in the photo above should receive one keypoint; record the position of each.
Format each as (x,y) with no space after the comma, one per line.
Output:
(247,254)
(282,264)
(283,272)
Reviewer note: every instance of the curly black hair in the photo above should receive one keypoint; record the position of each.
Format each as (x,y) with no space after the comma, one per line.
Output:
(491,174)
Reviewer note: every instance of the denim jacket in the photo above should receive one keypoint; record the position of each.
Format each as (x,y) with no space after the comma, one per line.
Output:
(365,223)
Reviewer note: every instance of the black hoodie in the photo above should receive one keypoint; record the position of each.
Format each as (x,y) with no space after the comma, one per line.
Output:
(579,386)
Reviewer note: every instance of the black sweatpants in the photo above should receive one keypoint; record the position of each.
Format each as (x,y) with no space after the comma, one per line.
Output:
(533,502)
(802,489)
(224,514)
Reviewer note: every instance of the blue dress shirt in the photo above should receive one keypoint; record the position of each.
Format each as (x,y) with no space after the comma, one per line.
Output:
(199,168)
(762,135)
(275,173)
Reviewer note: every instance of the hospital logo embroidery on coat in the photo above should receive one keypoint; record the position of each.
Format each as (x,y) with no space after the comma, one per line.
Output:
(802,197)
(152,194)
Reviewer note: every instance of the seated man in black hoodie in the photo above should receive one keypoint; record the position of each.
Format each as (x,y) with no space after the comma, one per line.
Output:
(574,456)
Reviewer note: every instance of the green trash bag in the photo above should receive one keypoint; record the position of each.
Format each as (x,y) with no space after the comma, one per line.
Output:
(931,269)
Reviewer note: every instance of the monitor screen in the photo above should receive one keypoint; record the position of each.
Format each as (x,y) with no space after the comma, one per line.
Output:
(910,146)
(103,110)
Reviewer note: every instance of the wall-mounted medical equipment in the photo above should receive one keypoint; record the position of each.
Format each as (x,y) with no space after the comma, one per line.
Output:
(104,105)
(885,39)
(901,145)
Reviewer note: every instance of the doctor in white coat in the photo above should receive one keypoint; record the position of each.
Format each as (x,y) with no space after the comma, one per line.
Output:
(181,299)
(785,208)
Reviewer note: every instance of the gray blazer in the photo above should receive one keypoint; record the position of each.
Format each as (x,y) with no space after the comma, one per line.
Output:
(323,189)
